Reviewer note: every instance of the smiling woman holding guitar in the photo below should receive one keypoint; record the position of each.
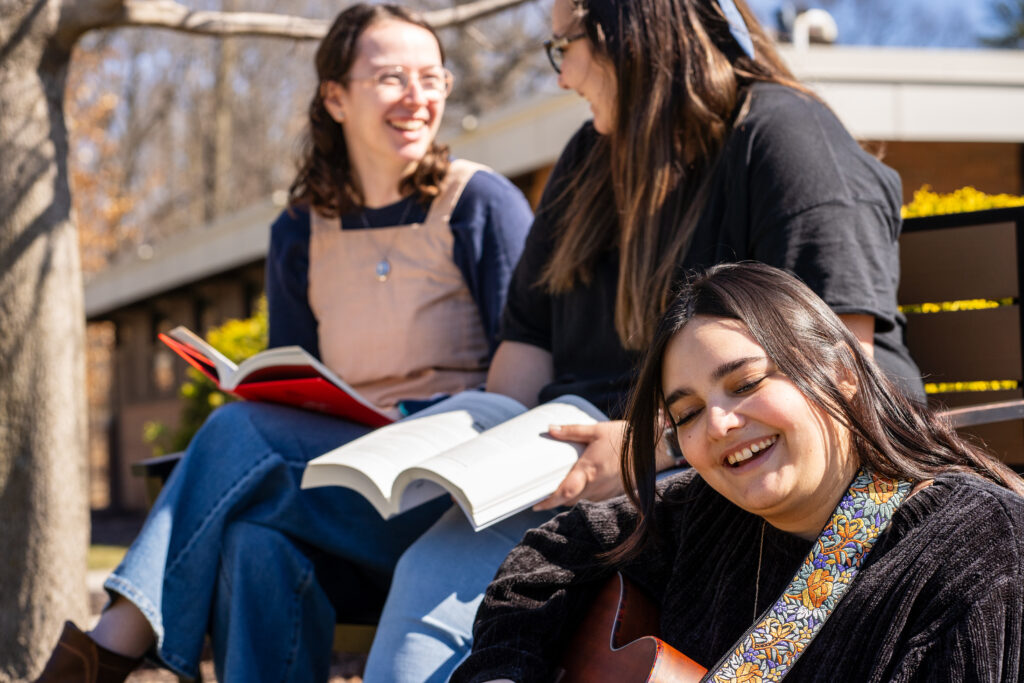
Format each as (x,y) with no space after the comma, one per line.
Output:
(829,529)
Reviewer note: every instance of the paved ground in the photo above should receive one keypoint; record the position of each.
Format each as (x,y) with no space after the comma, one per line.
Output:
(120,530)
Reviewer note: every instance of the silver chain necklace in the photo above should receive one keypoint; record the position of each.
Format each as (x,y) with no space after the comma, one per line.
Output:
(383,267)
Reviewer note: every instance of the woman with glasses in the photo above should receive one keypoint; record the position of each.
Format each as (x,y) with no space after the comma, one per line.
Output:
(391,265)
(703,148)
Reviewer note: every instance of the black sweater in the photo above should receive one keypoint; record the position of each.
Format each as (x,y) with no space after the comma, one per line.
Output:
(940,597)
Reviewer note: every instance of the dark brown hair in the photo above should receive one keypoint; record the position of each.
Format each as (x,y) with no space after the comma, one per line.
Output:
(809,344)
(326,180)
(681,80)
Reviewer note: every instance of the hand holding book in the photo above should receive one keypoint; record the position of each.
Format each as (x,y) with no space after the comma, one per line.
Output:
(596,474)
(492,455)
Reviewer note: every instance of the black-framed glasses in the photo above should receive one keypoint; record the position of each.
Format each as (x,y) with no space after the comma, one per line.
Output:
(555,47)
(435,82)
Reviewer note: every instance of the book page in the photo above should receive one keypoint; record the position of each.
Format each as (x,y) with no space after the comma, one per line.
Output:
(225,368)
(279,355)
(513,465)
(381,455)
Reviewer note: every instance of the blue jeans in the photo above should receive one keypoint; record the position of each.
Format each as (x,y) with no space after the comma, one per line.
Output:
(231,544)
(426,628)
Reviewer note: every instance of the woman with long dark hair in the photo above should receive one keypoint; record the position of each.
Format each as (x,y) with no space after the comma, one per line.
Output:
(703,148)
(829,529)
(391,265)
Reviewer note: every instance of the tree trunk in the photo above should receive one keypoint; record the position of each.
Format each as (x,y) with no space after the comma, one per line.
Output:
(44,523)
(44,516)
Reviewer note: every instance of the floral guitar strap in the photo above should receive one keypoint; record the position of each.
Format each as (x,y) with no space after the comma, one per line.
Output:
(773,644)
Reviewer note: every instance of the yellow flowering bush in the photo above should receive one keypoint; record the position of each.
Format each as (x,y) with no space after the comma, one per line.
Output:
(928,203)
(236,339)
(962,305)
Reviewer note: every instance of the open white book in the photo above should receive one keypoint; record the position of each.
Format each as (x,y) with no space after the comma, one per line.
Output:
(492,455)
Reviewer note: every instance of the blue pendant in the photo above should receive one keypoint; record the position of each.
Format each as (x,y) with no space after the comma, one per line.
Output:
(383,269)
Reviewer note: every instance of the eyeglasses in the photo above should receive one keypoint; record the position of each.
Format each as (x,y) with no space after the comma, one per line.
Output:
(393,81)
(556,49)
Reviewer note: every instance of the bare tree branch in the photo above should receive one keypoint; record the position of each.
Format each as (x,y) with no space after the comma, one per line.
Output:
(80,16)
(461,14)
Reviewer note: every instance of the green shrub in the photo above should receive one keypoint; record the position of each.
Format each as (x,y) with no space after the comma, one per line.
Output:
(236,339)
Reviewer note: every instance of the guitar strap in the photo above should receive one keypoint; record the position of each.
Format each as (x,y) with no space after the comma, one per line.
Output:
(774,643)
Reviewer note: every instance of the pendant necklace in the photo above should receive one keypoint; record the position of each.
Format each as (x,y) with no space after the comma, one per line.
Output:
(757,580)
(383,268)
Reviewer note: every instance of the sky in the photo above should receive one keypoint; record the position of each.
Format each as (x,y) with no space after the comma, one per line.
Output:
(909,23)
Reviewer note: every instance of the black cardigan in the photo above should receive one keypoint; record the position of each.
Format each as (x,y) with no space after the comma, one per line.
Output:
(940,597)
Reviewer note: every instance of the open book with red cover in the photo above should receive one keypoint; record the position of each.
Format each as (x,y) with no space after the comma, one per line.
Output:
(287,374)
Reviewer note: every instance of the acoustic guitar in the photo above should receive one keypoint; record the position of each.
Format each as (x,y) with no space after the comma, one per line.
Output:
(614,643)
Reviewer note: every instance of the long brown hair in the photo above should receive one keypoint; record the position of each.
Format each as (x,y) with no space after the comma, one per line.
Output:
(681,79)
(326,180)
(891,434)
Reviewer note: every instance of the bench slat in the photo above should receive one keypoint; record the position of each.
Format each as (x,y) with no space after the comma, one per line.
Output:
(951,264)
(964,346)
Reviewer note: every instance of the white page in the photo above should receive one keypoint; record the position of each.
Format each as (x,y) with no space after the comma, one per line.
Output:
(223,365)
(514,460)
(280,355)
(419,492)
(384,453)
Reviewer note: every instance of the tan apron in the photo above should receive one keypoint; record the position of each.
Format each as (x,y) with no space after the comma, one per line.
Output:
(414,334)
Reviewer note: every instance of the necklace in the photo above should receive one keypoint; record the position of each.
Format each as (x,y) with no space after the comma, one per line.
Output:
(757,581)
(383,267)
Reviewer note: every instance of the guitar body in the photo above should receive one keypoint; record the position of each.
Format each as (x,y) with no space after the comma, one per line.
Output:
(614,643)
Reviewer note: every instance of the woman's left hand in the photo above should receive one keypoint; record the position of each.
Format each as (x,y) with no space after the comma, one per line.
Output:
(595,476)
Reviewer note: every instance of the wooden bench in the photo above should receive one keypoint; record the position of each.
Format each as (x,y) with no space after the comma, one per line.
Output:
(960,285)
(944,259)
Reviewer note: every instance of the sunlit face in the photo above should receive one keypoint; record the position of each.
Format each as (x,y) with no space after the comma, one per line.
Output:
(749,432)
(387,127)
(583,70)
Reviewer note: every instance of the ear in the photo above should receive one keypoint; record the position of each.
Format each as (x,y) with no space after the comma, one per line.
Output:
(331,92)
(848,384)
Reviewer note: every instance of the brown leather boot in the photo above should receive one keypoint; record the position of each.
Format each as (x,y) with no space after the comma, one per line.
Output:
(78,659)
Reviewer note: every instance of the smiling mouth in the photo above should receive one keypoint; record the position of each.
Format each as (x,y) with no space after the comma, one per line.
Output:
(408,126)
(748,452)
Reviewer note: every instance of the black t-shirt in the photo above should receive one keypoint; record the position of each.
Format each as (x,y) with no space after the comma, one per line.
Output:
(792,189)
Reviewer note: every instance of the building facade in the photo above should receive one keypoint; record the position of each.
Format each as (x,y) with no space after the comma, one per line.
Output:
(946,118)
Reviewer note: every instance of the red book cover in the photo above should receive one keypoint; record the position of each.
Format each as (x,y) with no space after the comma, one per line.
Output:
(312,393)
(287,375)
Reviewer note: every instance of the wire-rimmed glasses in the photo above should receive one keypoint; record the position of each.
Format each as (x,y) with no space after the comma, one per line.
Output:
(435,82)
(555,47)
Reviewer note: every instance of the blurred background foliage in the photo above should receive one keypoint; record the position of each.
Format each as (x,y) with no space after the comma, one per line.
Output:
(168,132)
(236,339)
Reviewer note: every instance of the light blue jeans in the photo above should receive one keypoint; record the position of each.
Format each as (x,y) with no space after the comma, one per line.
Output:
(426,629)
(232,548)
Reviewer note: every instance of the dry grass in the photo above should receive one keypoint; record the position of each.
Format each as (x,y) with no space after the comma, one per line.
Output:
(105,556)
(344,669)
